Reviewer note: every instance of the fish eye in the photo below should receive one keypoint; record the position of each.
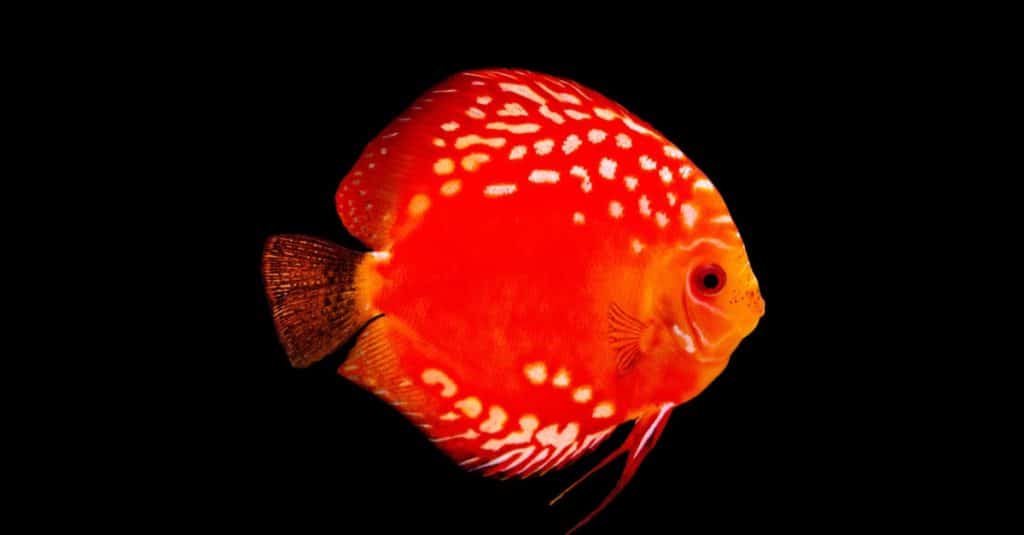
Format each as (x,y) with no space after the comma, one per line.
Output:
(708,279)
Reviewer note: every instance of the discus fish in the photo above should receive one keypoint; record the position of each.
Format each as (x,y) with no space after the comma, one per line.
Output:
(544,267)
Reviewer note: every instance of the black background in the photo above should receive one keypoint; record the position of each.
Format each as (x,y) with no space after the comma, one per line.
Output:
(783,438)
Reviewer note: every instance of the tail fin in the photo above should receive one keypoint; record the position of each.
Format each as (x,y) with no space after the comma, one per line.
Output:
(311,284)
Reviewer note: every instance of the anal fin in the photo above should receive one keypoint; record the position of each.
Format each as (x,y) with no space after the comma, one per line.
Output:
(374,364)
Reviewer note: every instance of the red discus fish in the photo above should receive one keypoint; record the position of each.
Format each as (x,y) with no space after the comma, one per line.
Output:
(546,266)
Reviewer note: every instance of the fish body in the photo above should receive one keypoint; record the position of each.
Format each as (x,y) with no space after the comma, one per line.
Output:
(546,266)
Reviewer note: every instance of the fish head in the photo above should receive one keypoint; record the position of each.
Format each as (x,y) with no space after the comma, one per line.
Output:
(705,299)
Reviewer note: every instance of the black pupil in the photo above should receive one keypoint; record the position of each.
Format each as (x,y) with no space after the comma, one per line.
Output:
(711,281)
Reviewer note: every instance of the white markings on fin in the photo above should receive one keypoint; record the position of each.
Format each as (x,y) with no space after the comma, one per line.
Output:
(524,91)
(561,97)
(673,152)
(605,113)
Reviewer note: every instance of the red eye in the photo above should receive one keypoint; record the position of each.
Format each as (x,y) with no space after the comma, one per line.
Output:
(708,279)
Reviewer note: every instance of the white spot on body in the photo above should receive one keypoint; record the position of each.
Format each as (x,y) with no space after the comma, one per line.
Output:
(685,171)
(450,416)
(721,219)
(544,176)
(555,117)
(623,141)
(647,164)
(543,146)
(636,245)
(528,424)
(666,175)
(473,161)
(473,139)
(577,115)
(605,409)
(579,171)
(661,218)
(561,379)
(689,214)
(450,126)
(475,113)
(596,135)
(577,217)
(631,182)
(671,198)
(571,143)
(484,100)
(582,394)
(645,206)
(512,109)
(536,372)
(549,436)
(499,190)
(607,168)
(433,376)
(615,209)
(517,152)
(495,421)
(470,406)
(451,187)
(438,142)
(444,166)
(524,128)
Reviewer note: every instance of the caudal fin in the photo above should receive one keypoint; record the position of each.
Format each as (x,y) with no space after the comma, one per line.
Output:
(311,284)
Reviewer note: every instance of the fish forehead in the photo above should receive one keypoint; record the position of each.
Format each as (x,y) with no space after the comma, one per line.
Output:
(519,138)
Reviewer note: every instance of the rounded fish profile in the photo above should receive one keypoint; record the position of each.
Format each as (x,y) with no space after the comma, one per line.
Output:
(546,266)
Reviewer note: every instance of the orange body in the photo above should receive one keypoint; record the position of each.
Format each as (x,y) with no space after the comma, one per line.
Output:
(548,266)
